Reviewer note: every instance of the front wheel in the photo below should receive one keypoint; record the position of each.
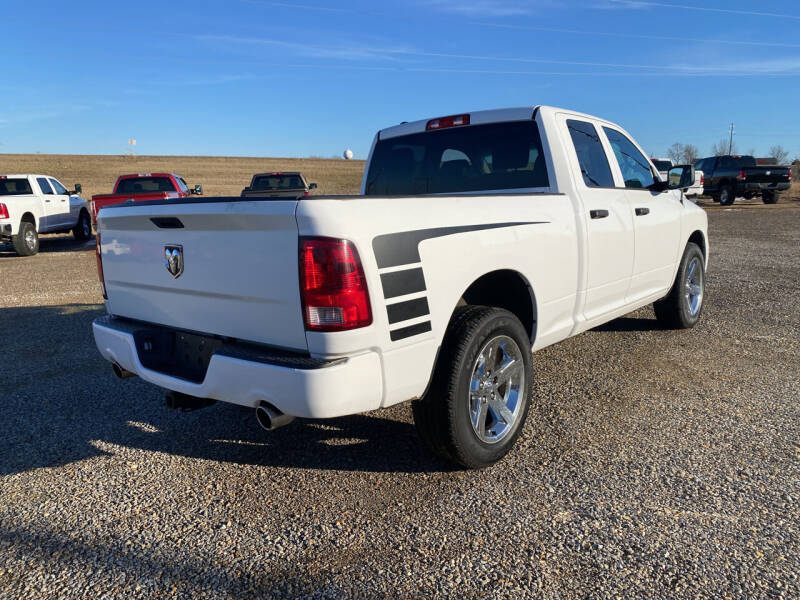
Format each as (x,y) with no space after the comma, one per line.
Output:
(478,401)
(26,242)
(769,197)
(681,308)
(83,230)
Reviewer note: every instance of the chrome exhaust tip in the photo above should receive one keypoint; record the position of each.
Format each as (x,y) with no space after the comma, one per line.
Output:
(270,418)
(120,372)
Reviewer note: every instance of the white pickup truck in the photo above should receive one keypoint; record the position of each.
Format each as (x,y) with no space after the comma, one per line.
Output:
(663,165)
(477,239)
(34,204)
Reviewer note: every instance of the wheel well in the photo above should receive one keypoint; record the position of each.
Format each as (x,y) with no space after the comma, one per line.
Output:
(698,238)
(29,218)
(505,289)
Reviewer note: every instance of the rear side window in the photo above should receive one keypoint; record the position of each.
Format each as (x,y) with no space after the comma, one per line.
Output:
(491,157)
(635,167)
(12,187)
(60,189)
(145,185)
(591,156)
(44,186)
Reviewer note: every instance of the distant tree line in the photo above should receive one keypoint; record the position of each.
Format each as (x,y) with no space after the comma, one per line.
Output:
(688,154)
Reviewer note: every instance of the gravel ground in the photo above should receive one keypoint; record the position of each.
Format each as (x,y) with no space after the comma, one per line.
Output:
(655,464)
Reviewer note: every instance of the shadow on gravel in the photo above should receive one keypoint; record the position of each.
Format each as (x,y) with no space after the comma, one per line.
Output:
(60,403)
(630,324)
(61,243)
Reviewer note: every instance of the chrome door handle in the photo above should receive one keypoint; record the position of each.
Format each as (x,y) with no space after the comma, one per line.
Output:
(598,214)
(640,212)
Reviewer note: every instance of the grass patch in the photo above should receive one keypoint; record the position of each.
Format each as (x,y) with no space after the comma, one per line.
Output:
(220,175)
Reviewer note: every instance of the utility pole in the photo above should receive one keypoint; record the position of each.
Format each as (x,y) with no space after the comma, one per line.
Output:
(730,144)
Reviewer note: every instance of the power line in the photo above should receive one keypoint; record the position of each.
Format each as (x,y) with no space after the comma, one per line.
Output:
(733,11)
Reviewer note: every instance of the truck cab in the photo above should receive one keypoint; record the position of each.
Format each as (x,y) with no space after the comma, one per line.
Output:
(34,204)
(141,187)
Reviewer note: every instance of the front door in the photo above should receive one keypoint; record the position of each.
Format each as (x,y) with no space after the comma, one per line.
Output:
(656,218)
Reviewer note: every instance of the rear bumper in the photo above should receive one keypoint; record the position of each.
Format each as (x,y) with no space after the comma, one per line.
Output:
(765,187)
(327,389)
(6,230)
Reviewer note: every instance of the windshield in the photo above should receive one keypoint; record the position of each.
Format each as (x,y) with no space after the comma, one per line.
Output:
(145,185)
(662,165)
(283,181)
(492,157)
(12,187)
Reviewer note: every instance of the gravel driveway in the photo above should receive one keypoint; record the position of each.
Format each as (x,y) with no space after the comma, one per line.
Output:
(656,463)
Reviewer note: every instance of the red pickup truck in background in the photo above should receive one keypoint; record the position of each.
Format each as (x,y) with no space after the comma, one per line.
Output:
(139,187)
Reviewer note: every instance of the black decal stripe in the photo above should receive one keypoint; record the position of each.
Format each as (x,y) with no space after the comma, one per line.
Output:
(411,330)
(410,309)
(395,249)
(400,283)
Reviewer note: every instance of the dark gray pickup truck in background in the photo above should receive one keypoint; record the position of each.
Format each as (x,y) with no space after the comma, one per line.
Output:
(278,184)
(731,177)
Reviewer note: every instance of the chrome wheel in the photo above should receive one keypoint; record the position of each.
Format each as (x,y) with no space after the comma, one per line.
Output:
(694,286)
(497,388)
(30,239)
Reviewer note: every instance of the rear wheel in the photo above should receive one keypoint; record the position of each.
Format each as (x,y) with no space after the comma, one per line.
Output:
(83,230)
(681,308)
(26,242)
(769,197)
(726,195)
(479,398)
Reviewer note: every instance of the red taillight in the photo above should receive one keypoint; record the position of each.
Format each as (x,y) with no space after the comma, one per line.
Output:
(790,174)
(443,122)
(3,211)
(100,265)
(332,285)
(702,180)
(742,175)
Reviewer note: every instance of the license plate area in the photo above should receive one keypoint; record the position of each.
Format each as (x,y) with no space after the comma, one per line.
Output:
(176,353)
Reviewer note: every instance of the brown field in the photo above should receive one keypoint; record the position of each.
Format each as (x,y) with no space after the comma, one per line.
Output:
(220,175)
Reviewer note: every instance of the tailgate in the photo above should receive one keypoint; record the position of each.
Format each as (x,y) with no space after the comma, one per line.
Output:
(238,277)
(767,175)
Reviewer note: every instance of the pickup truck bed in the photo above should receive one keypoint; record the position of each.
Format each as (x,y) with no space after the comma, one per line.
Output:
(327,306)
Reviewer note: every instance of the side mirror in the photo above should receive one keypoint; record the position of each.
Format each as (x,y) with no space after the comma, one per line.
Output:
(680,176)
(312,186)
(78,188)
(198,189)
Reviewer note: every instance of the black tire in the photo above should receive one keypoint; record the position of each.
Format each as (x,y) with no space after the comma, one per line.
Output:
(674,311)
(769,197)
(442,416)
(726,195)
(83,230)
(26,242)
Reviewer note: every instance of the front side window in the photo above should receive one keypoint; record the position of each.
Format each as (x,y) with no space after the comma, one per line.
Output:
(60,189)
(44,186)
(636,171)
(491,157)
(182,185)
(591,156)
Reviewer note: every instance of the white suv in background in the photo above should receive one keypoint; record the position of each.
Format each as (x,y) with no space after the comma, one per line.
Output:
(34,204)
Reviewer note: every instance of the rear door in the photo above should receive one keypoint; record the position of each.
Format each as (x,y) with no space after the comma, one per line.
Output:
(221,268)
(656,217)
(608,220)
(53,213)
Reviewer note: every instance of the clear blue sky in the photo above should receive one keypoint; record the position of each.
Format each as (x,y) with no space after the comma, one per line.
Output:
(258,78)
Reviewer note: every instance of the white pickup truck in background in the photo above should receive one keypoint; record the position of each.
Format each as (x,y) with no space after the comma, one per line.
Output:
(34,204)
(477,239)
(663,165)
